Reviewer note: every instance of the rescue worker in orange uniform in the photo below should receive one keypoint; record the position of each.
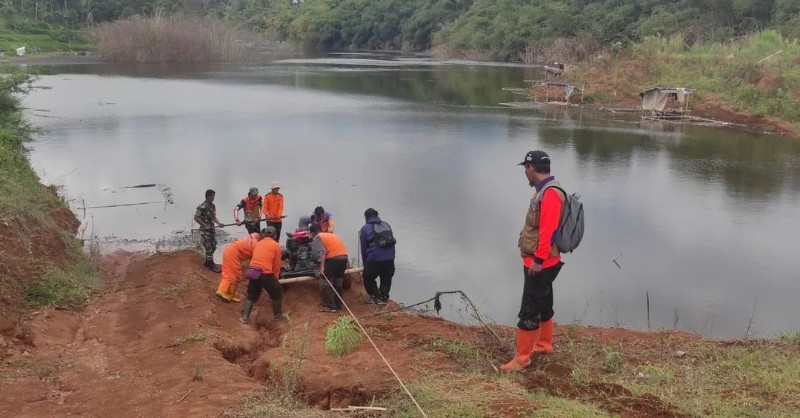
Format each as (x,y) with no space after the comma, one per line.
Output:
(323,219)
(333,263)
(263,273)
(273,209)
(541,262)
(233,256)
(251,204)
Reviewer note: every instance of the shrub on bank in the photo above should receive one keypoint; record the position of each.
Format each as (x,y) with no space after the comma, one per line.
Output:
(169,39)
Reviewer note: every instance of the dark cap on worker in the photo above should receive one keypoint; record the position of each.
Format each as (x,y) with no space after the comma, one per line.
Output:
(537,157)
(269,231)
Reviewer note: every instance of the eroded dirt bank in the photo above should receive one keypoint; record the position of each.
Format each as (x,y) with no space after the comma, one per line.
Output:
(158,343)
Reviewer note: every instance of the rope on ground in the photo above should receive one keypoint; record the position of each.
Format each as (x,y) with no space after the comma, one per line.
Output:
(437,306)
(396,376)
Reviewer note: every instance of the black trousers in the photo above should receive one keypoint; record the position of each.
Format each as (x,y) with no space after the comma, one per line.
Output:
(374,269)
(252,227)
(537,297)
(267,282)
(334,271)
(277,226)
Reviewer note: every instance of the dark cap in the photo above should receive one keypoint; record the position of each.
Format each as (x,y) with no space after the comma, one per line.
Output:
(537,157)
(269,231)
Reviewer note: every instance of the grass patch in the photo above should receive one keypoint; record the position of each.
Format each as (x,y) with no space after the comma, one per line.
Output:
(11,40)
(68,287)
(764,378)
(268,404)
(44,370)
(548,406)
(477,395)
(792,337)
(446,396)
(462,352)
(738,379)
(342,337)
(195,336)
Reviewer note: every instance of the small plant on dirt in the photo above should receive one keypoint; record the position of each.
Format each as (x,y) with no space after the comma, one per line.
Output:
(169,291)
(343,337)
(579,376)
(656,375)
(195,336)
(613,360)
(197,373)
(572,331)
(290,376)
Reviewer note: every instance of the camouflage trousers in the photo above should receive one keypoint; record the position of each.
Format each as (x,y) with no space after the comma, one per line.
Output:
(209,239)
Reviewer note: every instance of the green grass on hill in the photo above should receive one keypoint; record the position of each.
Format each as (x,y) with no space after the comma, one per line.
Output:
(742,73)
(10,41)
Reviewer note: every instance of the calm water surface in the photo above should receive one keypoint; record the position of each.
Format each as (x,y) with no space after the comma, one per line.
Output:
(705,219)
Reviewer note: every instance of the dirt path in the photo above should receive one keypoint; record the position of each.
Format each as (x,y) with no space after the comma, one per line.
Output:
(136,351)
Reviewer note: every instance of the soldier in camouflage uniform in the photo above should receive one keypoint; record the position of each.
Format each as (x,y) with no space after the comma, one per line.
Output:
(206,216)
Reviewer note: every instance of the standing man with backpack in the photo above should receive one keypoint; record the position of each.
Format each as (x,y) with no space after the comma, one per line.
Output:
(377,251)
(541,259)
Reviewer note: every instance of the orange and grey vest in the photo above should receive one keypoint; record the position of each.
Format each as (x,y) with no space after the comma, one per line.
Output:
(529,236)
(251,207)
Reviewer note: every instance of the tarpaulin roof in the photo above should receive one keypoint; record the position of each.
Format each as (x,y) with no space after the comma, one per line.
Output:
(656,98)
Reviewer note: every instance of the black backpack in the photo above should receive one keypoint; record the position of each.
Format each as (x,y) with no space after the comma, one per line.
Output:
(383,238)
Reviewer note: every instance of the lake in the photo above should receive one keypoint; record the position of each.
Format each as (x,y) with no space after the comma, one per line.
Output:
(704,218)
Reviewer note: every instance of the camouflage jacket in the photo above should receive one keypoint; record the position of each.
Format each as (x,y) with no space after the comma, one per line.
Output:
(207,212)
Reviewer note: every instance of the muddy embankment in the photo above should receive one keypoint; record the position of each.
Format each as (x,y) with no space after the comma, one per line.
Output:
(28,247)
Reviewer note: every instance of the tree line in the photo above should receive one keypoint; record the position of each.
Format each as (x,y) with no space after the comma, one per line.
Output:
(505,29)
(501,29)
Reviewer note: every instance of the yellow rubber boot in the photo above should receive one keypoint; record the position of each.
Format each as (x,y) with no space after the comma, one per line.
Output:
(222,293)
(232,293)
(526,340)
(545,343)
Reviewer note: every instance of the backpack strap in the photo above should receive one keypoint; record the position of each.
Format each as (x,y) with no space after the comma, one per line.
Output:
(371,242)
(537,198)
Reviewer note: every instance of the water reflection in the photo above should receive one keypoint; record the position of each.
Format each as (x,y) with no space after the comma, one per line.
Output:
(699,214)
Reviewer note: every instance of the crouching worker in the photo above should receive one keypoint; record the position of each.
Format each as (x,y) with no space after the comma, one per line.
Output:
(233,256)
(263,273)
(333,263)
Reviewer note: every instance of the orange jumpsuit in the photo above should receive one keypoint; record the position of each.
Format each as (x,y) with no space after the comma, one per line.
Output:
(233,256)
